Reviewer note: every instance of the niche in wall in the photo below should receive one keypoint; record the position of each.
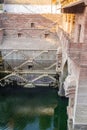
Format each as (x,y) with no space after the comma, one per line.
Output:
(46,35)
(79,33)
(32,25)
(19,34)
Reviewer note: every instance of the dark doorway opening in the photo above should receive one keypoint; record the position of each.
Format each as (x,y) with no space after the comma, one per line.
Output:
(46,35)
(32,25)
(19,34)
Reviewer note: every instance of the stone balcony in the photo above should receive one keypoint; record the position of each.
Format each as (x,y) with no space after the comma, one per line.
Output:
(73,6)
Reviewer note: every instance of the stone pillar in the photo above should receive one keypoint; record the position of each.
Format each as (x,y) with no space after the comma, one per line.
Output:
(70,113)
(72,17)
(65,24)
(70,86)
(69,23)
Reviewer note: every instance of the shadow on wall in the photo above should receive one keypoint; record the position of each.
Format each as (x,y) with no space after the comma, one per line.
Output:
(65,71)
(62,79)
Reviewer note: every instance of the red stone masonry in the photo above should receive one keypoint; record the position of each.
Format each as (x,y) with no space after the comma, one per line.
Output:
(14,24)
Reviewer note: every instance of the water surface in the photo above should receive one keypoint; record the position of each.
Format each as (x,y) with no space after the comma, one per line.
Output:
(33,109)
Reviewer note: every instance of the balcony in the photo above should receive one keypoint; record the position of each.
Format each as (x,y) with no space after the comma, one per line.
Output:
(72,6)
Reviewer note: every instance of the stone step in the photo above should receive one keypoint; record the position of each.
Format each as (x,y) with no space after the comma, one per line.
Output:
(82,99)
(81,114)
(32,71)
(82,90)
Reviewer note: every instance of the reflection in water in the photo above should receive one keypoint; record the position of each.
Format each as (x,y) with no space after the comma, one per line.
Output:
(60,116)
(41,110)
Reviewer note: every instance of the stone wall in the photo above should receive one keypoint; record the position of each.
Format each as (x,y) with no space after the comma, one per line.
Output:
(75,52)
(29,24)
(81,20)
(85,30)
(80,27)
(23,20)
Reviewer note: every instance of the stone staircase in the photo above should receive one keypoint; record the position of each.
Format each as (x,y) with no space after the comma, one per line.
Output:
(80,120)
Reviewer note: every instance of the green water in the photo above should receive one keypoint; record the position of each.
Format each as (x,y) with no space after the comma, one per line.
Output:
(32,110)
